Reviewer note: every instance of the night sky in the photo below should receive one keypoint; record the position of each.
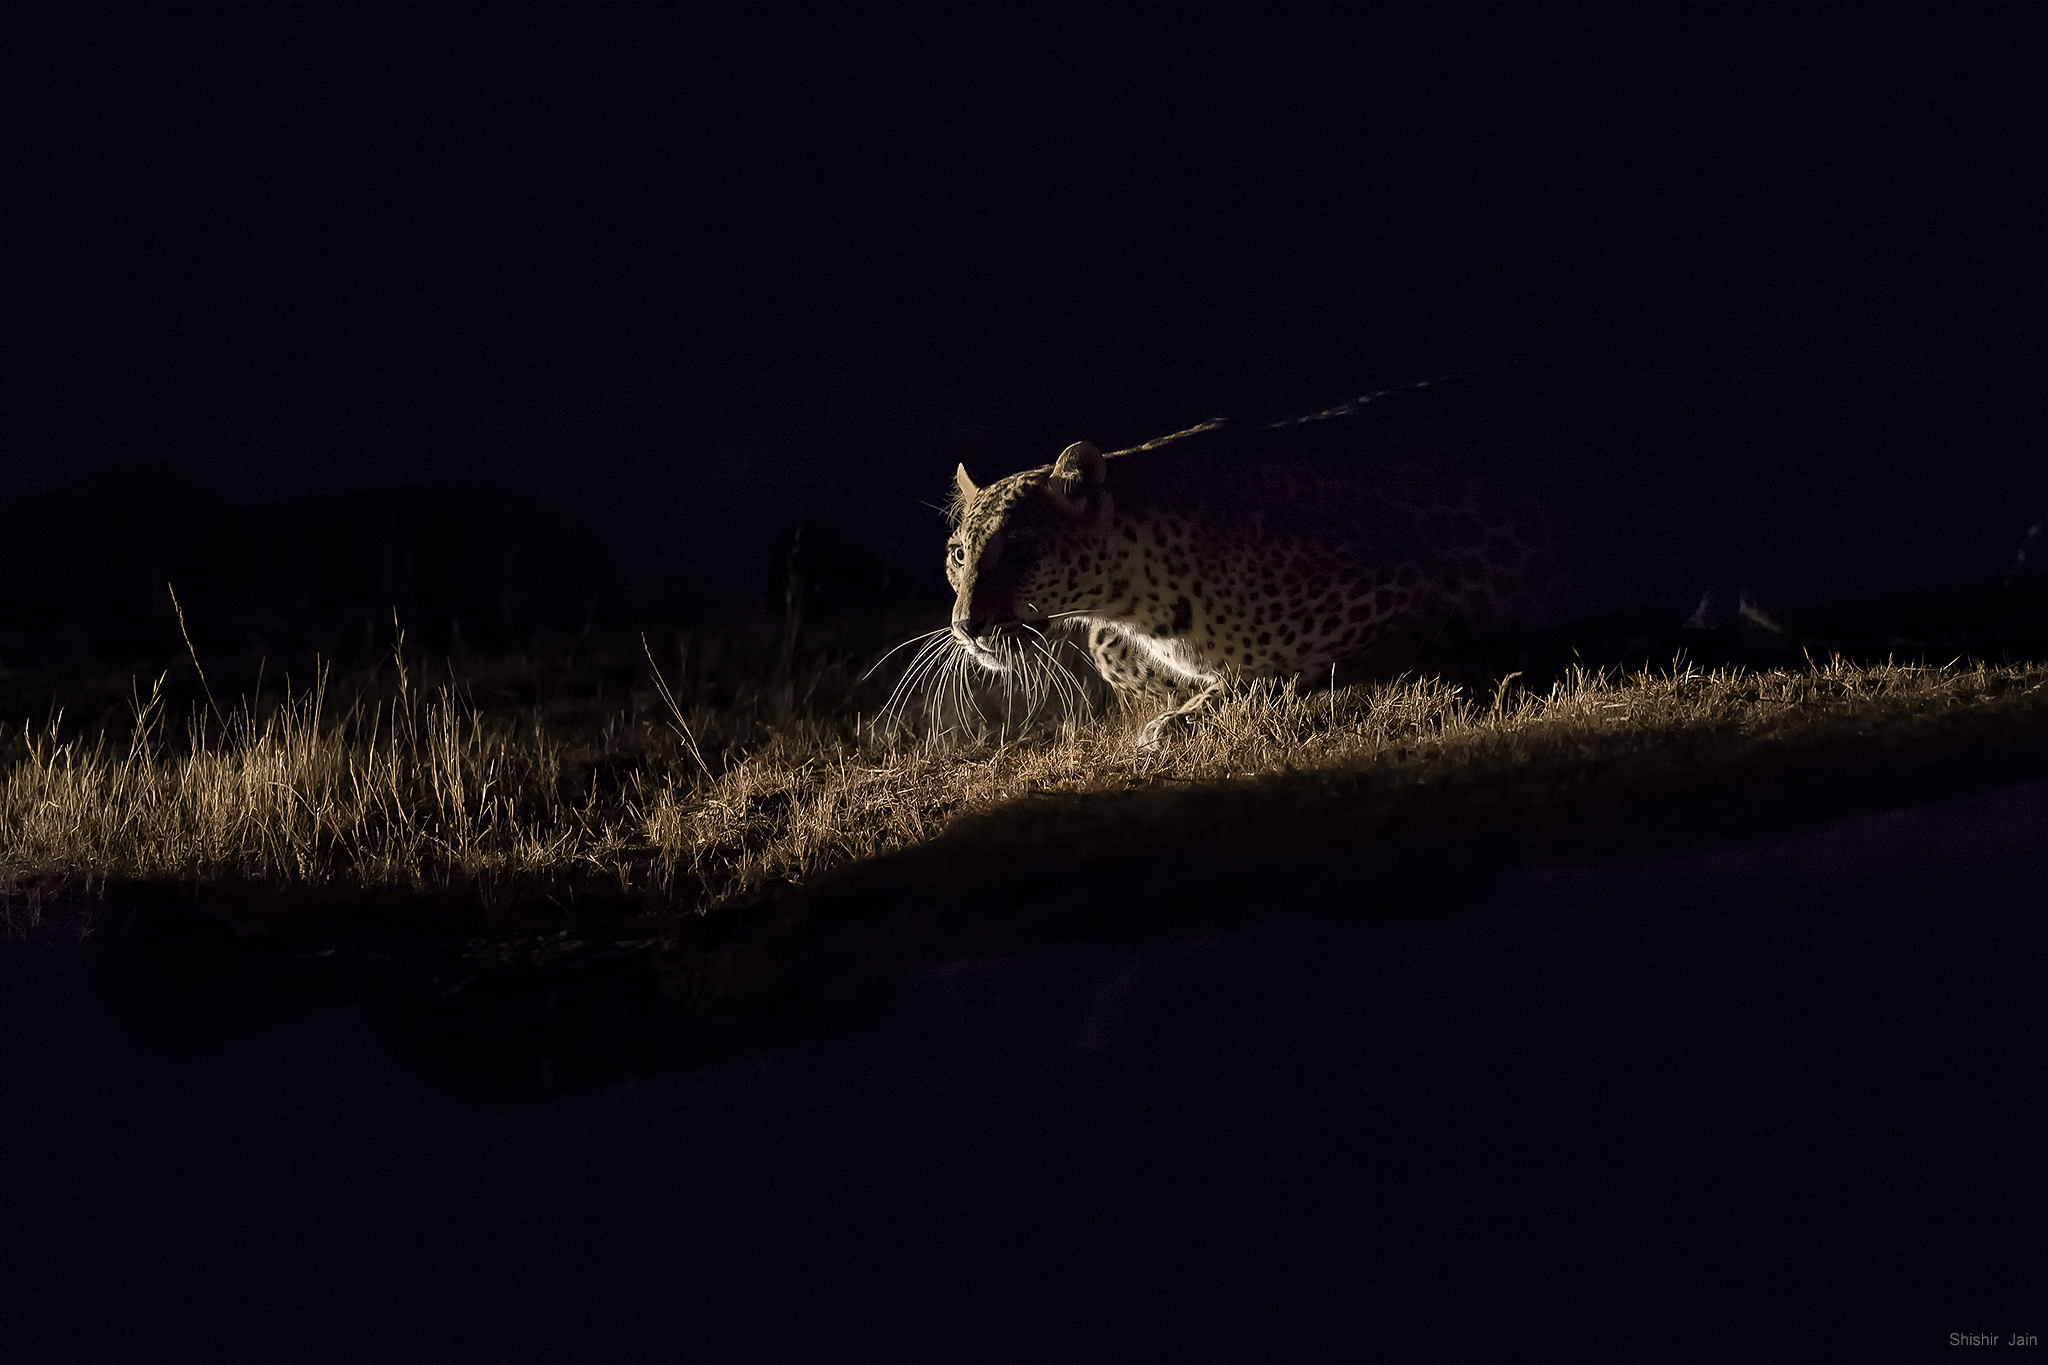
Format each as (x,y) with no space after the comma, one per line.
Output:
(695,280)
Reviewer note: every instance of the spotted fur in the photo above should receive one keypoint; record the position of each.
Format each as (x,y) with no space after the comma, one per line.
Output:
(1218,555)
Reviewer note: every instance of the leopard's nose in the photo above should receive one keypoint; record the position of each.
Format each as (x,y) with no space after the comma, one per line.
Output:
(971,633)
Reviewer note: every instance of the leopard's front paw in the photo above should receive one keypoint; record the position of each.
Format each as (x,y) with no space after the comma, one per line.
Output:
(1160,731)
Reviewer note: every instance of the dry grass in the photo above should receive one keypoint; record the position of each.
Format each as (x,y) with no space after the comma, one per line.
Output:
(697,804)
(797,808)
(413,793)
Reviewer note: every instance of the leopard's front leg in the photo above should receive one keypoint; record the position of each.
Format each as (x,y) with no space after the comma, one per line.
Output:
(1137,681)
(1140,683)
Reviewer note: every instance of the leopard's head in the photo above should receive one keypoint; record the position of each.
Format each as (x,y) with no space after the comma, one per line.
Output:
(1027,551)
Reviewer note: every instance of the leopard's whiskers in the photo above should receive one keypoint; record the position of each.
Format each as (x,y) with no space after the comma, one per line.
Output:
(942,630)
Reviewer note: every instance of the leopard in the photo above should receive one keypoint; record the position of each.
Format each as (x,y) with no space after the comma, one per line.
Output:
(1201,562)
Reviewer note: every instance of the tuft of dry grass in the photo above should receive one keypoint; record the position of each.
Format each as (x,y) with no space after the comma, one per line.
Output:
(417,792)
(432,791)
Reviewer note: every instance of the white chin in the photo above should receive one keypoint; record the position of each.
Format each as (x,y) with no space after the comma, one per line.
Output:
(989,660)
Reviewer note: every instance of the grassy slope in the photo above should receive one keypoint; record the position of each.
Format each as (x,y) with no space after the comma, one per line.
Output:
(1397,802)
(560,887)
(433,794)
(1391,802)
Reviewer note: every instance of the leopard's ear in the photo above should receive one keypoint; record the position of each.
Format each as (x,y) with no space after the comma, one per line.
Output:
(964,484)
(1078,472)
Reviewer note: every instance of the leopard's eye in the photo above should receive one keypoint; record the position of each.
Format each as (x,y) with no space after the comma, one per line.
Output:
(957,556)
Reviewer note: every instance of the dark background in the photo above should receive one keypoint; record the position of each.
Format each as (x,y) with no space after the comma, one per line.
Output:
(695,279)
